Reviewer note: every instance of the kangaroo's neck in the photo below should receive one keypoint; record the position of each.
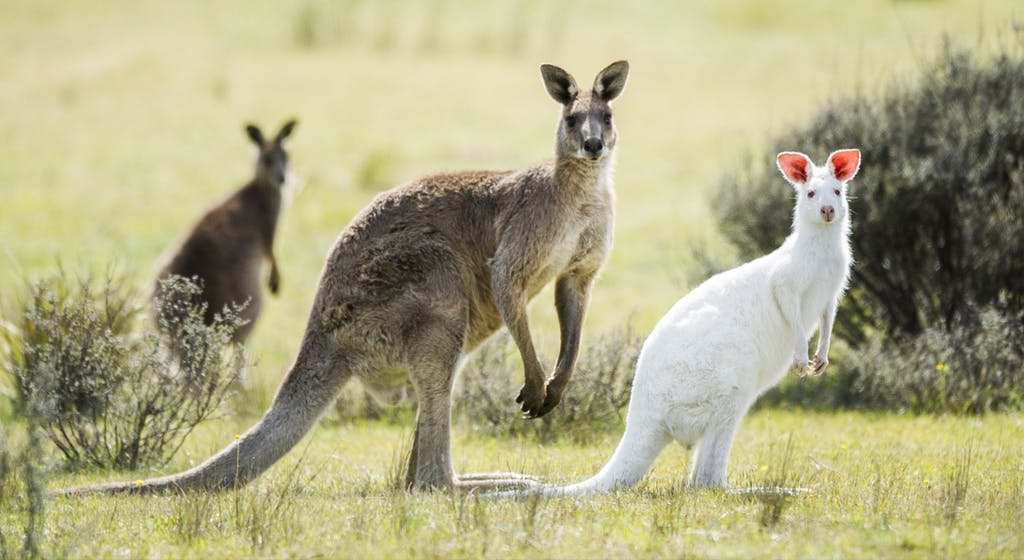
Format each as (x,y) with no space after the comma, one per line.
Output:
(264,198)
(580,176)
(822,238)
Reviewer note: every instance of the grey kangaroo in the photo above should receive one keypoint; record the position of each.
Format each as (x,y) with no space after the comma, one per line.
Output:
(226,248)
(426,273)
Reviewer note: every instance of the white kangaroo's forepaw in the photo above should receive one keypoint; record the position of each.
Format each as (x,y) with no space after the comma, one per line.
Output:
(818,365)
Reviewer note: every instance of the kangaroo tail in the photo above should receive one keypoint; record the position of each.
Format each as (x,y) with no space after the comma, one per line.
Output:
(640,446)
(309,387)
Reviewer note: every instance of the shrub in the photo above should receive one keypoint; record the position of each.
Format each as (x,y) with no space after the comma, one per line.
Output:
(593,403)
(972,367)
(95,377)
(937,235)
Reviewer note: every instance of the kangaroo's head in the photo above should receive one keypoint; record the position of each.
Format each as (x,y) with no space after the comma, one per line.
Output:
(586,130)
(272,159)
(821,191)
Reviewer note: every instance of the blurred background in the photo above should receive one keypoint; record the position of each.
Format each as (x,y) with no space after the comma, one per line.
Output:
(121,121)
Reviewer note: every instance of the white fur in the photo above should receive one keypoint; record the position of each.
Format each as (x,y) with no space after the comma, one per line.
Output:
(729,340)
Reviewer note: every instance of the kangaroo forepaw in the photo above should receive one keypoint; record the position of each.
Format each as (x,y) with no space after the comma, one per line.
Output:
(531,397)
(818,365)
(552,397)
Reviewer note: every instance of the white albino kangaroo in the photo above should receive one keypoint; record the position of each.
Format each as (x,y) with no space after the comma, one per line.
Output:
(735,336)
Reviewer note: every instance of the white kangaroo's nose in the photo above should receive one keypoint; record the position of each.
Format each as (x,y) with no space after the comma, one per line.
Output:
(828,213)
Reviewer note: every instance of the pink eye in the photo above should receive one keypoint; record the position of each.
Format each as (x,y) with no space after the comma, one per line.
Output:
(810,194)
(837,192)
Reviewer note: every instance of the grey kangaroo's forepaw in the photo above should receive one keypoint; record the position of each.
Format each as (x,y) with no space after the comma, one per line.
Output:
(532,399)
(552,398)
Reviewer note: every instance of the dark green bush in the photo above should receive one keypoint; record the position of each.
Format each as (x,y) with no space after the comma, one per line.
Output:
(88,368)
(594,402)
(936,209)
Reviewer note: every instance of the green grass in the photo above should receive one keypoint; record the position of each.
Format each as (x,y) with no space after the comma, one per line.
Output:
(879,486)
(121,121)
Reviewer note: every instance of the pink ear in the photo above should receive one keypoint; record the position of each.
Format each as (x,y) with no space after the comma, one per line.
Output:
(793,166)
(844,163)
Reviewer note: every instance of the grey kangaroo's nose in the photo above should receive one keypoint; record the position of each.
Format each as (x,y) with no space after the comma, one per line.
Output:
(828,213)
(593,145)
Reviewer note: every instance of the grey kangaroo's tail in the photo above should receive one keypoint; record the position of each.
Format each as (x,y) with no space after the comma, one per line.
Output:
(308,388)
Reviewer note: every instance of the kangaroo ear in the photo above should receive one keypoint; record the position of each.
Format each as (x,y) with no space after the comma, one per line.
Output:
(609,82)
(559,83)
(844,164)
(286,130)
(794,167)
(255,135)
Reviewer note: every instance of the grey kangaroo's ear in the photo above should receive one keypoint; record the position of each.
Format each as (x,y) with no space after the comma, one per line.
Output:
(286,130)
(559,83)
(609,82)
(254,134)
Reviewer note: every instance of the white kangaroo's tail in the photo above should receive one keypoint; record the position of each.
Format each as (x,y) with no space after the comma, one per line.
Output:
(641,444)
(310,386)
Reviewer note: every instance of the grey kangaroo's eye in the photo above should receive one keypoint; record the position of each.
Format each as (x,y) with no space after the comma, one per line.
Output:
(267,160)
(607,118)
(570,122)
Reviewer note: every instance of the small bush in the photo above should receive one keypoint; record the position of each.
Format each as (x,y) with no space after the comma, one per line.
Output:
(973,367)
(92,373)
(937,235)
(593,402)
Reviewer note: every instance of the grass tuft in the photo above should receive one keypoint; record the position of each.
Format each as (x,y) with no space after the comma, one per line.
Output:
(957,483)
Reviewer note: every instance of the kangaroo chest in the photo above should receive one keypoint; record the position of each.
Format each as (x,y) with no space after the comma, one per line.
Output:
(583,244)
(822,288)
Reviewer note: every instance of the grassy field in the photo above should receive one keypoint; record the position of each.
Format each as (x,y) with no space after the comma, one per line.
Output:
(879,486)
(120,121)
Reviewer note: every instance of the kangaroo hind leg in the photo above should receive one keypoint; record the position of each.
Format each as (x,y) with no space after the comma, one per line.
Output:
(711,456)
(430,462)
(730,396)
(433,360)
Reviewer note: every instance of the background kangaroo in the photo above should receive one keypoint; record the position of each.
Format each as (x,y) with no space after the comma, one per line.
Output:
(426,273)
(735,336)
(226,248)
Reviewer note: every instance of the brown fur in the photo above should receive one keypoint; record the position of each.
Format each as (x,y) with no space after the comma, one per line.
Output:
(226,248)
(425,274)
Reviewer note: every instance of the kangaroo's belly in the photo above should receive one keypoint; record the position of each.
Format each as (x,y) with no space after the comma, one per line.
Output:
(388,386)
